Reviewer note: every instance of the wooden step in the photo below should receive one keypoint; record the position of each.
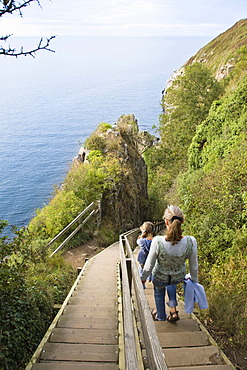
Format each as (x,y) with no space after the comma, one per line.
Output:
(56,365)
(187,324)
(86,301)
(87,323)
(208,355)
(77,310)
(183,339)
(207,367)
(79,352)
(68,335)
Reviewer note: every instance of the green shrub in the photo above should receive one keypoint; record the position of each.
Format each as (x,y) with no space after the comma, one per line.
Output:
(95,142)
(103,127)
(227,292)
(30,284)
(223,129)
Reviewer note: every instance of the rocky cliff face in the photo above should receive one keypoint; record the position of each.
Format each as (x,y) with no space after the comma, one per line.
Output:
(126,205)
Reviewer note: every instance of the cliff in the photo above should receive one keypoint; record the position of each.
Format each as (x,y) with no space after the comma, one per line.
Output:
(225,56)
(125,204)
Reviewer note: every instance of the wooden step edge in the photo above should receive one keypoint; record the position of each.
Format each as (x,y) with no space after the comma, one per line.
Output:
(202,367)
(121,356)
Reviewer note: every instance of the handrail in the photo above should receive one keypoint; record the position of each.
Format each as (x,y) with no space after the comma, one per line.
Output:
(88,208)
(130,351)
(155,356)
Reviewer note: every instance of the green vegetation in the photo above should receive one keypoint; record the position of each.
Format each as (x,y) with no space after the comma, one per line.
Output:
(30,285)
(186,104)
(83,184)
(200,164)
(223,49)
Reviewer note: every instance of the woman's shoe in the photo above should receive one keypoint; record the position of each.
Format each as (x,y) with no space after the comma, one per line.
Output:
(173,317)
(154,314)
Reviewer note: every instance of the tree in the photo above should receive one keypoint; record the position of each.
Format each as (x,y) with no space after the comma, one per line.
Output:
(13,6)
(186,104)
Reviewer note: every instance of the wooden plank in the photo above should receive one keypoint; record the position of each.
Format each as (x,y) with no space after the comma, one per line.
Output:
(193,356)
(80,352)
(57,365)
(85,302)
(180,326)
(87,323)
(63,335)
(107,273)
(207,367)
(89,314)
(183,339)
(130,343)
(75,310)
(98,288)
(104,296)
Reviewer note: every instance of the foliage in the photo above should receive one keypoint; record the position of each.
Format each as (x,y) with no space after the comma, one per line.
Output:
(224,48)
(83,184)
(213,195)
(224,127)
(189,98)
(107,233)
(214,203)
(30,285)
(103,127)
(95,142)
(200,164)
(186,104)
(228,290)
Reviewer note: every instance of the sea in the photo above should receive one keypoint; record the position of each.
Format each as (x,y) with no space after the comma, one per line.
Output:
(51,103)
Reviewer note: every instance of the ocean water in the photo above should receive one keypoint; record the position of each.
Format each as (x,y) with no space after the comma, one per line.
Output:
(50,104)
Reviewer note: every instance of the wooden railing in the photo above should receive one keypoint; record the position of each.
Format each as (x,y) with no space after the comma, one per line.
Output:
(93,207)
(130,276)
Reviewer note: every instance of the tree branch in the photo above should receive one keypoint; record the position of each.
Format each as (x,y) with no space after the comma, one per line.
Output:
(41,46)
(11,6)
(5,38)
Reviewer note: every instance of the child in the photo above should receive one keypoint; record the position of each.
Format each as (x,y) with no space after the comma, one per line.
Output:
(144,241)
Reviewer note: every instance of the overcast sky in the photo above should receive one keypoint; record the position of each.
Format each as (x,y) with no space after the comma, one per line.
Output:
(126,18)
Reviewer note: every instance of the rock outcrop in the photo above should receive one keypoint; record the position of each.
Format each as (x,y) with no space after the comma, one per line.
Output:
(125,206)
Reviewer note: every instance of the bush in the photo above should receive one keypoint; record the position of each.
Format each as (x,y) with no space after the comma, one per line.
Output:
(227,292)
(30,284)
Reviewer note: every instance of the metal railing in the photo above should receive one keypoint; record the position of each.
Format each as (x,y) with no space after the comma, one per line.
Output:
(93,207)
(130,276)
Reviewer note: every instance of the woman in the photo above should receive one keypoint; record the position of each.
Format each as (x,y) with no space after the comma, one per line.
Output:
(166,261)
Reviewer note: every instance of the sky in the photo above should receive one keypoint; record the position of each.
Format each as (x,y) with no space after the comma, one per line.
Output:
(125,18)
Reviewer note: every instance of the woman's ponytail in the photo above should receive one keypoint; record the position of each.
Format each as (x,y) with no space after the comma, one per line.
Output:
(175,218)
(147,228)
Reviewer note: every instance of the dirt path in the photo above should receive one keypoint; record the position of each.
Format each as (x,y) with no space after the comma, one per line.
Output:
(77,256)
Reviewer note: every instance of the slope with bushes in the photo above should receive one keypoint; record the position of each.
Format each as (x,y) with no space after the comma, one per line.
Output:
(200,164)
